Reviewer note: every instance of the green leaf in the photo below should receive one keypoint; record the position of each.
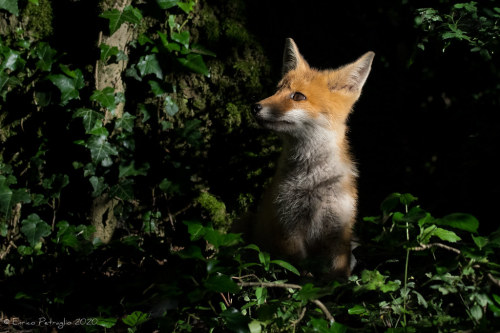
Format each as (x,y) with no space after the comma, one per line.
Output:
(309,292)
(191,252)
(218,239)
(170,106)
(373,280)
(286,266)
(67,86)
(357,310)
(476,312)
(105,97)
(197,48)
(125,122)
(149,65)
(105,322)
(12,60)
(45,55)
(195,63)
(101,150)
(117,18)
(7,83)
(156,88)
(187,7)
(123,190)
(446,235)
(182,38)
(108,51)
(390,203)
(221,283)
(9,197)
(195,229)
(34,228)
(166,4)
(98,185)
(129,170)
(406,199)
(169,187)
(10,6)
(136,318)
(459,221)
(90,118)
(480,241)
(235,321)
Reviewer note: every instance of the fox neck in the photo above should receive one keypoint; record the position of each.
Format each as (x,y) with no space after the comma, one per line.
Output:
(322,153)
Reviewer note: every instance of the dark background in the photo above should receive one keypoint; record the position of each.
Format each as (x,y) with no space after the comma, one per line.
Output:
(419,126)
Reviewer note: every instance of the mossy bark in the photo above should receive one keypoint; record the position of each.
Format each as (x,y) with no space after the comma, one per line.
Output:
(110,75)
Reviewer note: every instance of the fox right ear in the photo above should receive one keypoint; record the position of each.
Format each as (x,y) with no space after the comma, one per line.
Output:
(292,59)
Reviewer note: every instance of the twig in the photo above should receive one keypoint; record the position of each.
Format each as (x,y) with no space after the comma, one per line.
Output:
(320,305)
(269,285)
(301,316)
(323,308)
(494,280)
(226,301)
(423,247)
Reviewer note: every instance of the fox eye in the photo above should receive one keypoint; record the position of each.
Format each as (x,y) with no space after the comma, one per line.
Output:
(298,96)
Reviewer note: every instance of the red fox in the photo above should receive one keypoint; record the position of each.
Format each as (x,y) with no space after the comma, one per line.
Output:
(308,211)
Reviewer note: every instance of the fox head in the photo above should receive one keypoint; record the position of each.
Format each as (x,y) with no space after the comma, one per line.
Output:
(308,99)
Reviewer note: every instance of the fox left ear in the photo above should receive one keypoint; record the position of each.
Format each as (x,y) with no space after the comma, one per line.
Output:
(354,75)
(292,59)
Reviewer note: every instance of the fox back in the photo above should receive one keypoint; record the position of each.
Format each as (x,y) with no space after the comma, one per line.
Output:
(308,211)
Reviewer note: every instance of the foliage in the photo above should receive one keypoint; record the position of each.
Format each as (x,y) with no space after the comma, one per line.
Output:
(469,22)
(117,220)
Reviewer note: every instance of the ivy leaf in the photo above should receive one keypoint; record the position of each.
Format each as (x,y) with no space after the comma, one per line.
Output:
(9,197)
(156,88)
(68,86)
(45,55)
(195,63)
(117,18)
(98,185)
(130,170)
(126,122)
(90,118)
(105,97)
(123,190)
(10,6)
(170,106)
(182,38)
(12,60)
(108,51)
(149,65)
(101,150)
(34,228)
(196,229)
(6,83)
(187,7)
(218,239)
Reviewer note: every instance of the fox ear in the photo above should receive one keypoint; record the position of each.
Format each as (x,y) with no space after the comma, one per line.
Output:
(354,75)
(292,59)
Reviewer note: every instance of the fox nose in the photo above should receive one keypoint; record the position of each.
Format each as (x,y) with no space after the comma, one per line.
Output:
(256,108)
